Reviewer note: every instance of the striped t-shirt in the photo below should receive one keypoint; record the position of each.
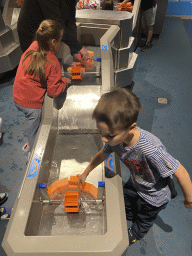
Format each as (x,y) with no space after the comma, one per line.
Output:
(149,164)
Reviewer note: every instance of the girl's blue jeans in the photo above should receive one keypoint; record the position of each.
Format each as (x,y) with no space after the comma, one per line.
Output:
(33,119)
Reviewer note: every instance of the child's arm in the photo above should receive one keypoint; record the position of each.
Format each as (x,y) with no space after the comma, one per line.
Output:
(97,159)
(56,84)
(186,185)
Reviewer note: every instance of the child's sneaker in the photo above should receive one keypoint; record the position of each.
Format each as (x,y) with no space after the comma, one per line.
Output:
(5,213)
(25,148)
(3,198)
(146,46)
(132,238)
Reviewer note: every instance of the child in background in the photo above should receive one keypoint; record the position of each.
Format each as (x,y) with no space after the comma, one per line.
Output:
(39,71)
(150,186)
(149,9)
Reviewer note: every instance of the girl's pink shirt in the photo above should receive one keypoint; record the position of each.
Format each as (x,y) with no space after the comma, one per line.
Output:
(28,92)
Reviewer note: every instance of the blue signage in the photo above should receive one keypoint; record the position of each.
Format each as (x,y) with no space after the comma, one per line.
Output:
(109,164)
(34,168)
(104,47)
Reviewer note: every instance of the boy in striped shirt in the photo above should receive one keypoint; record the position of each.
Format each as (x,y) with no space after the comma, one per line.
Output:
(150,186)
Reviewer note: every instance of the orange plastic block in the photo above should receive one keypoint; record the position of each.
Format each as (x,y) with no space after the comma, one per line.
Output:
(91,53)
(73,180)
(57,187)
(62,185)
(77,64)
(73,183)
(126,7)
(71,201)
(76,73)
(91,189)
(52,190)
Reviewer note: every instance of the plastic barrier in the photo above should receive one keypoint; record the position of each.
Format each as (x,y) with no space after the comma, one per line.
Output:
(71,201)
(63,185)
(126,7)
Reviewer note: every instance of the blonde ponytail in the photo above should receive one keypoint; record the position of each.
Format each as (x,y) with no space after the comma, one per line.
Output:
(48,30)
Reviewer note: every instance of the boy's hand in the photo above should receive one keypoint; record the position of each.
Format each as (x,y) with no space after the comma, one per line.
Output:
(82,178)
(187,204)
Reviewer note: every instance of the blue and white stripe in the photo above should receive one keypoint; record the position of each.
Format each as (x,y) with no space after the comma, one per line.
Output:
(149,163)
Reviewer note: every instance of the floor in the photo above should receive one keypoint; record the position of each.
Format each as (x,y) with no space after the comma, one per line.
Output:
(164,71)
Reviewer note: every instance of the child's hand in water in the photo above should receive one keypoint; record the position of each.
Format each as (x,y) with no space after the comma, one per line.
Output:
(82,178)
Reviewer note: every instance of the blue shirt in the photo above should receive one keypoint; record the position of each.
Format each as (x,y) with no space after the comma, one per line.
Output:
(149,164)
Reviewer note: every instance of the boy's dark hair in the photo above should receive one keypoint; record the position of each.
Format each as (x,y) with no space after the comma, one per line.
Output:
(107,4)
(48,30)
(119,109)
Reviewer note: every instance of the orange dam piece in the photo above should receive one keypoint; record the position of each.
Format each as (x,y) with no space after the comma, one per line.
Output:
(57,187)
(79,67)
(126,7)
(71,201)
(64,185)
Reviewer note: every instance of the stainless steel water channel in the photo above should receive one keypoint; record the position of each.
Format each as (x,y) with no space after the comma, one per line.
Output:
(66,142)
